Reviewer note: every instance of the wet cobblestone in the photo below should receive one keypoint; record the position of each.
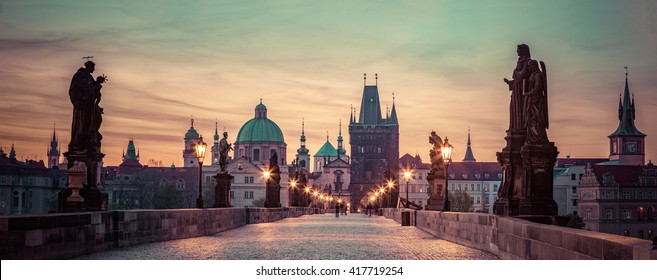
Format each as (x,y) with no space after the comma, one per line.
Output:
(314,237)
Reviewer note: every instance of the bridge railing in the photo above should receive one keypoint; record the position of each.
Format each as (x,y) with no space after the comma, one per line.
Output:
(512,238)
(67,235)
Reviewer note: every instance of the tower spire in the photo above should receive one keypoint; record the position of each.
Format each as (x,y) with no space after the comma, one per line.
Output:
(469,156)
(364,79)
(376,79)
(393,112)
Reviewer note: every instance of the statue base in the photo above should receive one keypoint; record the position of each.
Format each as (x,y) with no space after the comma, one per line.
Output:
(273,195)
(222,190)
(538,161)
(510,193)
(93,193)
(437,203)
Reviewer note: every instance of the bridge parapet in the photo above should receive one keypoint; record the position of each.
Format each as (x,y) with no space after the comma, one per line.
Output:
(67,235)
(513,238)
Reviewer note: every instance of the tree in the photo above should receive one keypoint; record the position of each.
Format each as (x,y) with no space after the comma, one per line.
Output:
(168,197)
(575,221)
(460,201)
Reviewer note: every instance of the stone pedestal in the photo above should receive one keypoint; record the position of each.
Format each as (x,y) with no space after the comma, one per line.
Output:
(273,195)
(510,192)
(538,163)
(93,193)
(222,190)
(438,200)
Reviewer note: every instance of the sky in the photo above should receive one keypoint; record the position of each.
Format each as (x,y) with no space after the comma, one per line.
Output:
(444,61)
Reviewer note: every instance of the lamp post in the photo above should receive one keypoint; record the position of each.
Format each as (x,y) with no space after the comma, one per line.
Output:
(293,192)
(390,185)
(407,175)
(446,150)
(266,174)
(307,193)
(200,154)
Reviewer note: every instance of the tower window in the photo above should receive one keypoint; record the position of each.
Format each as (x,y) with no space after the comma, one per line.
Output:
(256,154)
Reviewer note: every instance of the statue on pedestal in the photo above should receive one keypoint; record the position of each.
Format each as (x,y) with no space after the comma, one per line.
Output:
(535,107)
(437,193)
(224,148)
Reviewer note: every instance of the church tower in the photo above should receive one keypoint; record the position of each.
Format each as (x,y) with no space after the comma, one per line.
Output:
(215,147)
(189,153)
(53,151)
(627,143)
(374,143)
(469,156)
(303,155)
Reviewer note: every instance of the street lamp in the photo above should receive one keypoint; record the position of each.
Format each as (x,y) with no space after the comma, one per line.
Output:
(266,174)
(292,193)
(407,175)
(307,191)
(200,154)
(446,150)
(390,186)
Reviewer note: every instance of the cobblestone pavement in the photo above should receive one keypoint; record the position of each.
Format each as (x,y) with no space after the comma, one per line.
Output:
(311,237)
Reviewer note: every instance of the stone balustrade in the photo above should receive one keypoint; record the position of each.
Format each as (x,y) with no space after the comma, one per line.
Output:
(513,238)
(66,235)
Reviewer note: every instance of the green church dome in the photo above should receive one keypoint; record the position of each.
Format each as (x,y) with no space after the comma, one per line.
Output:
(191,133)
(260,130)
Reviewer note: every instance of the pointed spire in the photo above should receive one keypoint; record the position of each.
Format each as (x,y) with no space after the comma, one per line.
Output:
(327,136)
(469,156)
(216,131)
(302,149)
(393,113)
(387,112)
(632,108)
(620,106)
(626,114)
(376,79)
(364,79)
(351,113)
(192,120)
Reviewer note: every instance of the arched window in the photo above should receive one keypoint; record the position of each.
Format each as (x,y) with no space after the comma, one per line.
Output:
(640,213)
(302,163)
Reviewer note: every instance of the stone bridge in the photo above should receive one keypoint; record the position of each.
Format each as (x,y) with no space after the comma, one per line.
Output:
(299,233)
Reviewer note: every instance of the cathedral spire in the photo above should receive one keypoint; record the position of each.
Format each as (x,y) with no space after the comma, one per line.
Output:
(469,156)
(12,152)
(393,112)
(216,131)
(626,112)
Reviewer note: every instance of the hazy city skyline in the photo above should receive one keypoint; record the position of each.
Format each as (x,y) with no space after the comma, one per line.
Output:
(444,60)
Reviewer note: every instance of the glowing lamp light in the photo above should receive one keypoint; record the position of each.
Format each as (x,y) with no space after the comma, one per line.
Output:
(407,174)
(200,149)
(446,150)
(293,184)
(307,189)
(267,173)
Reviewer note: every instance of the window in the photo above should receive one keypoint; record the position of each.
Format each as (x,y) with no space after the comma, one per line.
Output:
(256,154)
(250,194)
(588,214)
(627,195)
(420,176)
(478,199)
(609,214)
(626,233)
(627,214)
(580,176)
(271,152)
(246,194)
(232,194)
(208,179)
(478,187)
(650,195)
(573,177)
(574,202)
(574,190)
(495,188)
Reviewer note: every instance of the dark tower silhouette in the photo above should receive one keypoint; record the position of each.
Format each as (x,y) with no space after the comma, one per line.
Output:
(374,145)
(627,143)
(53,151)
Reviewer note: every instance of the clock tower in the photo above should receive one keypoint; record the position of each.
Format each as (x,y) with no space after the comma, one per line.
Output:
(626,144)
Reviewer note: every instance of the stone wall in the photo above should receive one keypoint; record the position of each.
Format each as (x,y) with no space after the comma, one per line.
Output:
(512,238)
(66,235)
